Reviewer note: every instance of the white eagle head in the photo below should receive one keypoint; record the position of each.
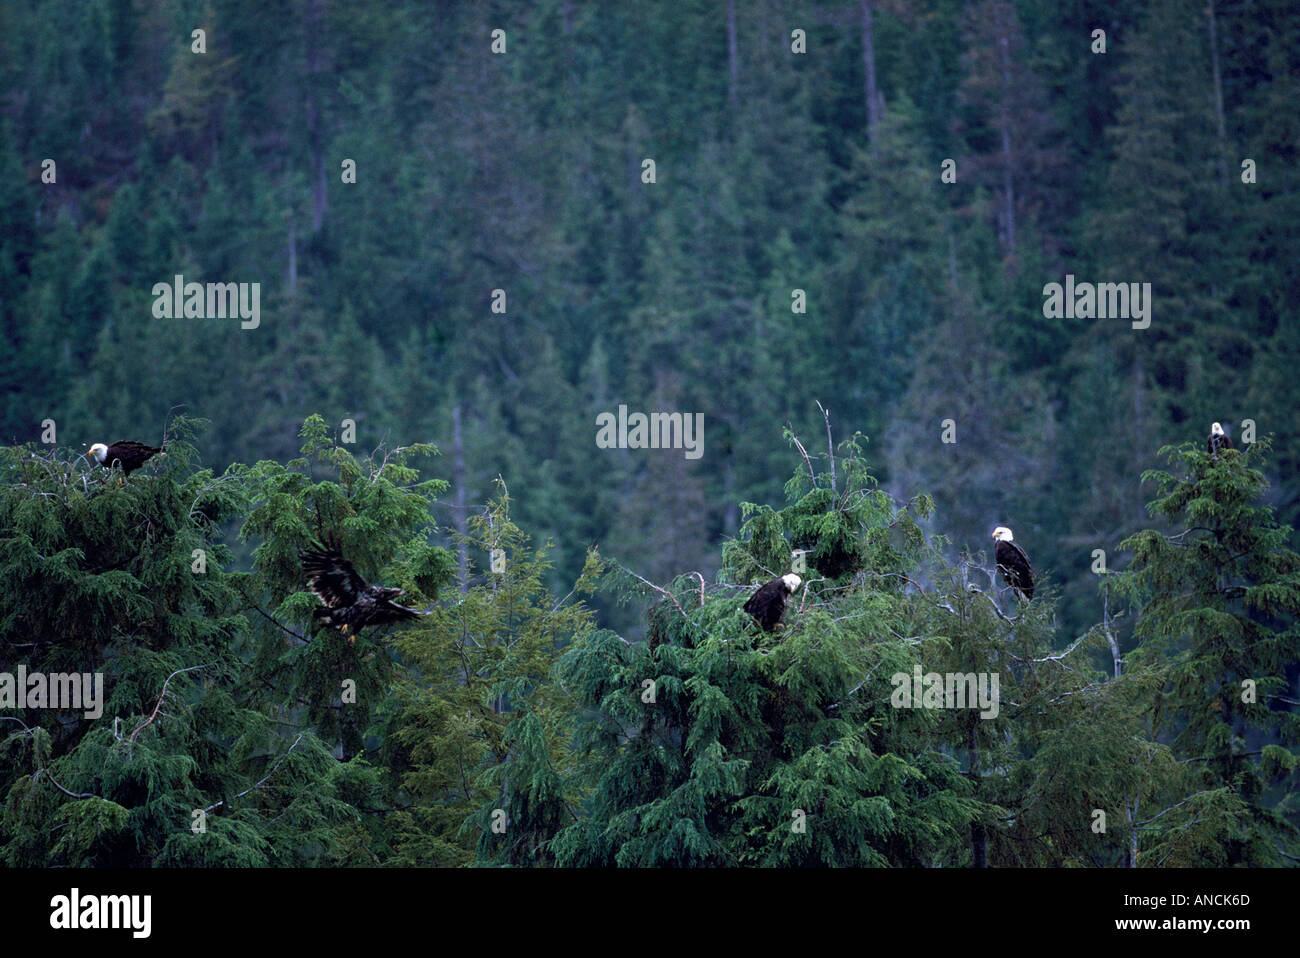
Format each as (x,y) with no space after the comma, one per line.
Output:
(98,452)
(1002,534)
(1216,429)
(791,581)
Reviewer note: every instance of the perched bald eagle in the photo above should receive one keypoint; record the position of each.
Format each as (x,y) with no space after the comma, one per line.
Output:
(350,604)
(1218,440)
(768,604)
(1014,564)
(127,453)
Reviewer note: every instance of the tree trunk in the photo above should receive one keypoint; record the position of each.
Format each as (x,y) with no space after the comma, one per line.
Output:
(1131,852)
(1008,153)
(1218,95)
(870,93)
(347,730)
(315,121)
(291,273)
(978,840)
(458,477)
(1115,659)
(733,59)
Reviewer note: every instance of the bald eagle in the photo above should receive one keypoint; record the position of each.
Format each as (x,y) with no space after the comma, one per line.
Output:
(127,453)
(1218,440)
(1014,564)
(350,604)
(768,603)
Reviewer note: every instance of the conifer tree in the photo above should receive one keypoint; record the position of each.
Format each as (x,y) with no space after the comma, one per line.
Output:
(715,744)
(375,511)
(482,733)
(1217,602)
(128,581)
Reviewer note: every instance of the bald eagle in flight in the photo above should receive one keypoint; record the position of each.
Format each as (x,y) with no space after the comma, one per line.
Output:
(1014,564)
(1218,440)
(768,604)
(349,603)
(127,453)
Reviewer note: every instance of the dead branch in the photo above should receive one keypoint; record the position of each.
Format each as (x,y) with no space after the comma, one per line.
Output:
(665,592)
(701,578)
(830,444)
(162,695)
(1000,614)
(40,767)
(265,778)
(804,598)
(803,452)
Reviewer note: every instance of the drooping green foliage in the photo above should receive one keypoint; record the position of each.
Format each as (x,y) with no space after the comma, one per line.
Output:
(126,581)
(791,245)
(1219,625)
(718,744)
(502,727)
(374,511)
(482,728)
(868,220)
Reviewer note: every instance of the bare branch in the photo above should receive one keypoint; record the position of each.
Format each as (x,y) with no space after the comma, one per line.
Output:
(270,618)
(803,452)
(162,695)
(665,592)
(1000,614)
(265,778)
(701,578)
(662,592)
(830,444)
(1171,808)
(803,599)
(40,767)
(1059,655)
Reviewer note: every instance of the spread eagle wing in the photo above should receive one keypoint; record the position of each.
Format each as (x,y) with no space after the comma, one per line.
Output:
(331,578)
(389,611)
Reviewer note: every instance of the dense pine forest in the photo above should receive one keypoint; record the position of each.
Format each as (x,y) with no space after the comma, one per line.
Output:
(889,274)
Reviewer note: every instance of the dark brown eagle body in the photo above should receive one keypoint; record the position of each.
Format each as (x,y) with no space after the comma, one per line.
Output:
(1013,564)
(767,605)
(1218,441)
(126,453)
(350,604)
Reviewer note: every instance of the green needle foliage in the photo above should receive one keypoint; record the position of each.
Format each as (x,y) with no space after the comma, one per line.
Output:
(716,744)
(1219,600)
(377,513)
(128,580)
(504,728)
(484,728)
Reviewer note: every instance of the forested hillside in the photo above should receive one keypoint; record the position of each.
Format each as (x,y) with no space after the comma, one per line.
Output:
(826,232)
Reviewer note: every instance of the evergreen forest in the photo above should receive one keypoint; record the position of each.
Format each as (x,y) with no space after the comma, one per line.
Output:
(406,282)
